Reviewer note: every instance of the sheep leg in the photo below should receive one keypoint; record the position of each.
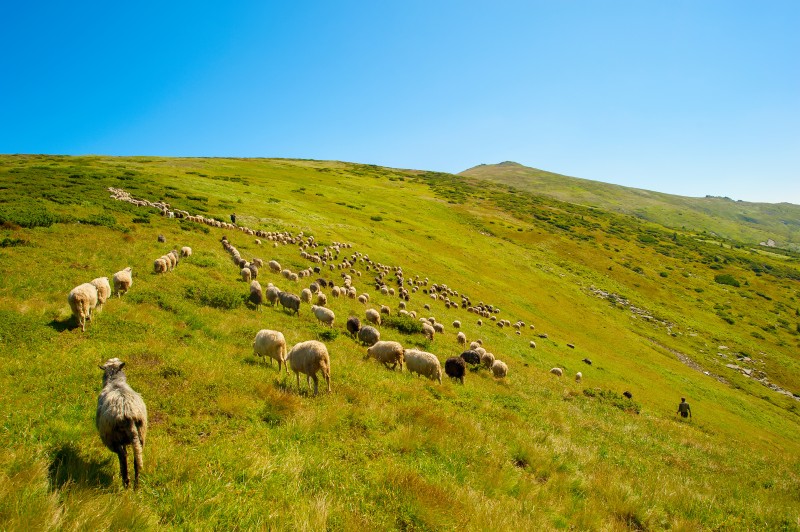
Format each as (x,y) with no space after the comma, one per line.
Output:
(137,454)
(123,464)
(316,383)
(298,380)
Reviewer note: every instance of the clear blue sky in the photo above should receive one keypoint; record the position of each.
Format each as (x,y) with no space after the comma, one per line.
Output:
(690,97)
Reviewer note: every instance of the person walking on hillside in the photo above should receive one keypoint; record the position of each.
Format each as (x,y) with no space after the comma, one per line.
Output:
(683,409)
(233,218)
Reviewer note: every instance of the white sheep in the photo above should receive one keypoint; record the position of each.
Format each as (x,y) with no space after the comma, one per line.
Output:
(274,266)
(461,338)
(532,344)
(322,299)
(160,265)
(103,290)
(456,324)
(270,344)
(123,280)
(186,251)
(82,301)
(373,316)
(246,274)
(487,360)
(578,377)
(387,352)
(438,327)
(423,363)
(309,357)
(325,315)
(428,331)
(305,295)
(557,372)
(121,419)
(499,369)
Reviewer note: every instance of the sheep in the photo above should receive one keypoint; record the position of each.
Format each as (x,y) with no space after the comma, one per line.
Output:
(121,419)
(428,331)
(456,324)
(123,280)
(253,270)
(272,294)
(82,300)
(309,357)
(461,338)
(322,299)
(246,274)
(162,238)
(385,310)
(627,394)
(423,363)
(587,361)
(480,322)
(103,291)
(373,316)
(271,344)
(455,368)
(256,294)
(160,265)
(353,325)
(557,372)
(274,266)
(335,292)
(532,344)
(314,287)
(578,377)
(487,360)
(289,301)
(362,299)
(474,345)
(387,353)
(186,251)
(305,295)
(471,357)
(325,315)
(499,369)
(369,335)
(438,327)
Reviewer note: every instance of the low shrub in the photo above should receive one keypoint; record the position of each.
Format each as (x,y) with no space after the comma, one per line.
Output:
(216,296)
(726,279)
(404,324)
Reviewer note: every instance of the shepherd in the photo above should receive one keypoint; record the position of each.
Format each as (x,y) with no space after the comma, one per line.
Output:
(683,409)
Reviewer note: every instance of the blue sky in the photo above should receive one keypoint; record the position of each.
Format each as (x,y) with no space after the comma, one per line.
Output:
(688,97)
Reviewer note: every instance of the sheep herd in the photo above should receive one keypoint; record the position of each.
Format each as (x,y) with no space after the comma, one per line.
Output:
(121,413)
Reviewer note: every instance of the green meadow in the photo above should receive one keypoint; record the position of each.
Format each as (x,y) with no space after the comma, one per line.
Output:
(662,311)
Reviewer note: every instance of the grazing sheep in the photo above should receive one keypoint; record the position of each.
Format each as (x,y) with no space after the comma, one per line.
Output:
(474,345)
(369,335)
(387,353)
(471,357)
(423,363)
(362,299)
(289,301)
(256,294)
(557,372)
(532,344)
(335,291)
(385,310)
(578,377)
(160,265)
(586,360)
(253,270)
(82,300)
(438,327)
(273,293)
(162,238)
(499,369)
(103,290)
(186,251)
(456,324)
(325,315)
(270,344)
(274,266)
(122,280)
(353,325)
(627,394)
(571,346)
(428,331)
(455,368)
(121,419)
(461,338)
(246,274)
(309,357)
(487,360)
(480,322)
(373,316)
(314,287)
(322,299)
(305,295)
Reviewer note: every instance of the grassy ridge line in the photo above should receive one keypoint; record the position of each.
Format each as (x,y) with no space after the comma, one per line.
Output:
(738,220)
(537,443)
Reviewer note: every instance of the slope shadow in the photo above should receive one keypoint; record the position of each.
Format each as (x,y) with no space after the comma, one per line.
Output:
(68,466)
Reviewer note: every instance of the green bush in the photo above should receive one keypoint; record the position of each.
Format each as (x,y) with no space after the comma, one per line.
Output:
(29,216)
(726,279)
(216,296)
(614,399)
(404,324)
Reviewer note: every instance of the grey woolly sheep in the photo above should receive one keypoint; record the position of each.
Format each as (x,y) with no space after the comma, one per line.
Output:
(438,327)
(289,301)
(309,357)
(325,315)
(456,324)
(499,369)
(455,368)
(305,295)
(160,265)
(461,338)
(428,331)
(387,353)
(423,363)
(487,360)
(246,274)
(353,325)
(385,310)
(362,299)
(471,357)
(82,301)
(322,299)
(103,290)
(373,316)
(121,419)
(532,344)
(122,280)
(162,238)
(369,335)
(256,294)
(270,344)
(558,372)
(272,294)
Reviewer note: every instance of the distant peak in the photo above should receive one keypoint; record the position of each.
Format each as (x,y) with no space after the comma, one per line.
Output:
(508,163)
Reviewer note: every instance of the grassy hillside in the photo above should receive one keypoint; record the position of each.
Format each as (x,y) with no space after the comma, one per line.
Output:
(233,444)
(738,220)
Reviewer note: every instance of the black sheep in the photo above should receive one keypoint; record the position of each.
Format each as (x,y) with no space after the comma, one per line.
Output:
(353,325)
(455,368)
(471,357)
(627,394)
